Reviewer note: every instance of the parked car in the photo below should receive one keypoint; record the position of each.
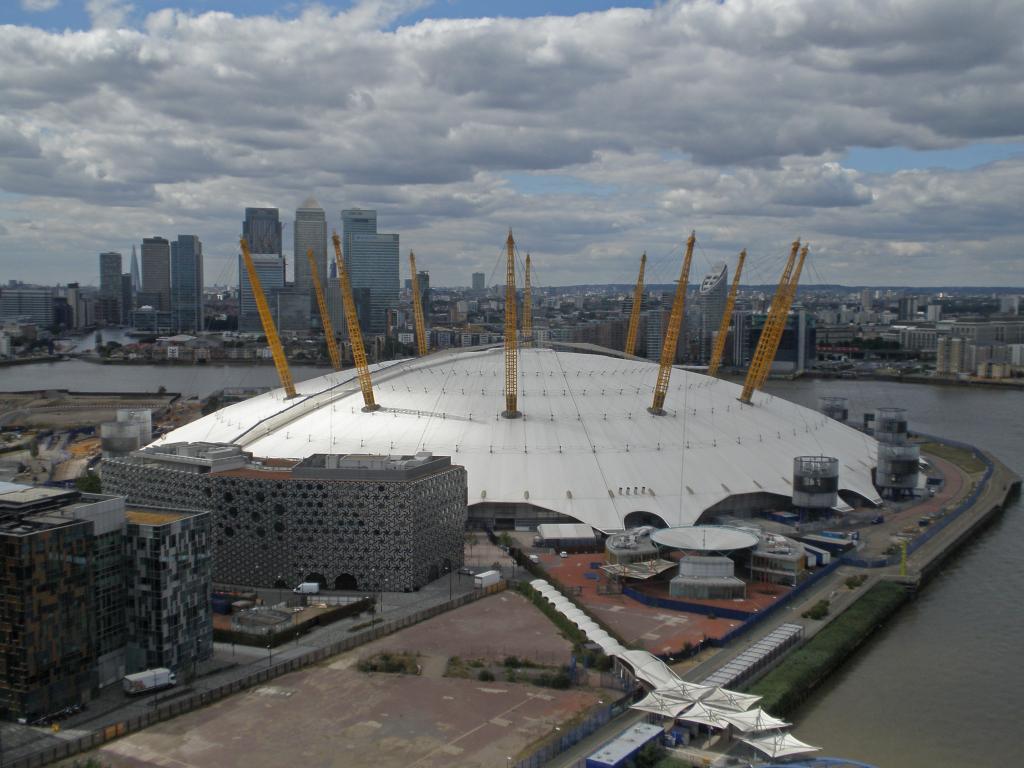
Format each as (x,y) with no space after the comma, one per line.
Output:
(563,553)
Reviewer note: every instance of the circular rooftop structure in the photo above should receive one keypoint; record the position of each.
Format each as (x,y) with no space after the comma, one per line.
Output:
(586,447)
(705,538)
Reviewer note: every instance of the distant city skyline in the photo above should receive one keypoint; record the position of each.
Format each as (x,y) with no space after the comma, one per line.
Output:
(590,135)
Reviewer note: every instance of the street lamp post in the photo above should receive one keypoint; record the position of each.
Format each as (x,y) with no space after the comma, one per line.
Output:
(270,654)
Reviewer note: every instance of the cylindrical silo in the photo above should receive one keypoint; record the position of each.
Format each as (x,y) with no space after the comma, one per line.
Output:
(891,425)
(897,470)
(118,438)
(815,482)
(141,416)
(837,408)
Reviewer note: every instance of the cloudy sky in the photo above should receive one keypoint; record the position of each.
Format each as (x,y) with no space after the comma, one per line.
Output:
(889,134)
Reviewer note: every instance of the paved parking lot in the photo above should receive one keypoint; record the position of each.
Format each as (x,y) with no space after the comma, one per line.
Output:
(334,715)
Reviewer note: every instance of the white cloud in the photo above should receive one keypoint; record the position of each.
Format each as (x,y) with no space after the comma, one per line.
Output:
(728,118)
(39,5)
(108,14)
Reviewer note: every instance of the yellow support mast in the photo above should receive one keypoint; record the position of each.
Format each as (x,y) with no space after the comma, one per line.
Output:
(668,348)
(280,362)
(527,307)
(417,308)
(780,327)
(723,327)
(762,356)
(325,318)
(634,314)
(355,336)
(511,342)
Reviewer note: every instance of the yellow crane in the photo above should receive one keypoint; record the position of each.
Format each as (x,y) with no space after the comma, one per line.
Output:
(527,307)
(668,348)
(355,336)
(723,327)
(417,308)
(634,314)
(762,355)
(780,327)
(511,342)
(274,342)
(325,318)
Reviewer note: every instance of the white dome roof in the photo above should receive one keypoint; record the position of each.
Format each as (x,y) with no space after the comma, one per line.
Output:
(310,202)
(585,442)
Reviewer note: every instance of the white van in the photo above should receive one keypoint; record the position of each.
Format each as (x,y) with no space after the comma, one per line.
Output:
(307,588)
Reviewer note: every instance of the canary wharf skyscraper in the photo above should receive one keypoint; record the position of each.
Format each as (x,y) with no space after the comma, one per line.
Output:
(310,232)
(372,262)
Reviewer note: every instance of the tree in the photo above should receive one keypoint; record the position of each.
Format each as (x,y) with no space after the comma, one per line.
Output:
(472,541)
(89,483)
(505,539)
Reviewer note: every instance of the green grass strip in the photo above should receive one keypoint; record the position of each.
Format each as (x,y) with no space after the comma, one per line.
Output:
(789,683)
(963,458)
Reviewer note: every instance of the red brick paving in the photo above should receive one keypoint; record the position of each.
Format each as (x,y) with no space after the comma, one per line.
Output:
(659,630)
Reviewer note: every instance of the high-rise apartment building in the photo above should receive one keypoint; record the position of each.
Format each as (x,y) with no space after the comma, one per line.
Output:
(423,280)
(187,284)
(711,298)
(310,232)
(262,230)
(156,270)
(908,308)
(92,591)
(372,262)
(74,297)
(127,297)
(866,299)
(478,281)
(111,310)
(169,622)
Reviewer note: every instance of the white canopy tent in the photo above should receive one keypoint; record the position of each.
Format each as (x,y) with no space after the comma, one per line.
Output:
(779,745)
(705,715)
(611,648)
(683,691)
(649,668)
(662,705)
(730,700)
(755,721)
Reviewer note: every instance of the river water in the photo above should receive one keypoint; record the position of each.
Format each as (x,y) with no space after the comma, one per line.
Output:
(938,686)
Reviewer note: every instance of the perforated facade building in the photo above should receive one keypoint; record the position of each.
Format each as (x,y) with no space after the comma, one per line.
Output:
(346,521)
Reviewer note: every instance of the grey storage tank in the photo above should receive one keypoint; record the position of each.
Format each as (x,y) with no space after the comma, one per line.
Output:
(897,472)
(891,426)
(837,408)
(815,483)
(143,417)
(118,438)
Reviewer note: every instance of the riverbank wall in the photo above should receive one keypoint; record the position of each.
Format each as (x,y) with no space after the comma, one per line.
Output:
(787,685)
(790,682)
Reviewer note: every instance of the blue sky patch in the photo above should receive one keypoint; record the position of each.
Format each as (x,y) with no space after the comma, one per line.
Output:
(892,159)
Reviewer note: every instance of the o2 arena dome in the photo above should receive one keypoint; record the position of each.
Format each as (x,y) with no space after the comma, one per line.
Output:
(585,449)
